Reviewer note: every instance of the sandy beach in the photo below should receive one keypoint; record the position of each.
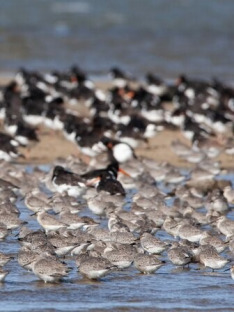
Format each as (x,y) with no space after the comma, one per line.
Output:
(53,145)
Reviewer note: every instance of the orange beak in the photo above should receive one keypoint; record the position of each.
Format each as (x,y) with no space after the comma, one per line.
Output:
(73,79)
(130,94)
(124,172)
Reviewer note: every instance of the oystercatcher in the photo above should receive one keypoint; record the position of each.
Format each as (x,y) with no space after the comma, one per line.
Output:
(67,181)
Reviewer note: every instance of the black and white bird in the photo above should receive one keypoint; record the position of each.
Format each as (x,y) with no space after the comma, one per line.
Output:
(67,181)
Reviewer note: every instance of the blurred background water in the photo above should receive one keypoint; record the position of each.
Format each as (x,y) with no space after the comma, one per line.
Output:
(167,37)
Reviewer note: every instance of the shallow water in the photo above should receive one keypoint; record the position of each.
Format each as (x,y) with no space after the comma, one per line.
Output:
(170,288)
(167,37)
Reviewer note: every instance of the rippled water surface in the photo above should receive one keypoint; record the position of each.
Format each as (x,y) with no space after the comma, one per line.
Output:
(164,36)
(170,288)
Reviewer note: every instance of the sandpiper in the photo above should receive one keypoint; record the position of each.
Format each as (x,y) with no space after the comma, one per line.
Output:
(9,208)
(26,258)
(151,244)
(99,234)
(209,257)
(28,237)
(61,203)
(147,264)
(61,245)
(95,267)
(116,224)
(170,225)
(179,255)
(34,201)
(190,232)
(225,226)
(216,202)
(73,221)
(120,257)
(48,222)
(8,195)
(213,240)
(11,221)
(49,269)
(123,237)
(97,205)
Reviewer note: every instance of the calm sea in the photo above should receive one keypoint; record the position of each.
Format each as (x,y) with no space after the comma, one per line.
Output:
(167,37)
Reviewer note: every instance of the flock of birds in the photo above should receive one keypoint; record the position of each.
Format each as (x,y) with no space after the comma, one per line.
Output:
(118,210)
(129,112)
